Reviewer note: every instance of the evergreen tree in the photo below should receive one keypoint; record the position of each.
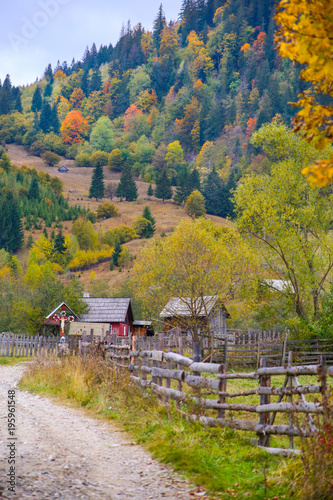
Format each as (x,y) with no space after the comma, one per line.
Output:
(127,187)
(17,99)
(37,100)
(158,26)
(55,120)
(34,189)
(11,230)
(95,83)
(96,189)
(59,243)
(48,90)
(146,214)
(184,185)
(150,191)
(214,193)
(163,187)
(228,208)
(195,182)
(46,118)
(6,97)
(116,253)
(84,85)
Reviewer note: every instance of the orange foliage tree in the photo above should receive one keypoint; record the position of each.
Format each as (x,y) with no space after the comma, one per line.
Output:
(74,128)
(130,114)
(76,98)
(251,125)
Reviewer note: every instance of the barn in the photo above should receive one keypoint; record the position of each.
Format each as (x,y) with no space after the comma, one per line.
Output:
(105,316)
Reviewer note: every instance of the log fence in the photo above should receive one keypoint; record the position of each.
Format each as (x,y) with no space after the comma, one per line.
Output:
(200,391)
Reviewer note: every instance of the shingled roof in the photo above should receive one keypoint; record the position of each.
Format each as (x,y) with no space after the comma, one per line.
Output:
(112,310)
(184,306)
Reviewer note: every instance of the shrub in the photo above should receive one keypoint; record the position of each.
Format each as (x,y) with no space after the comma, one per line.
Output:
(143,227)
(107,210)
(37,148)
(120,234)
(83,160)
(99,158)
(91,216)
(50,158)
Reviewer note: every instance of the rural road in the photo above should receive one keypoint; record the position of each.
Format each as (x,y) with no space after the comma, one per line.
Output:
(60,453)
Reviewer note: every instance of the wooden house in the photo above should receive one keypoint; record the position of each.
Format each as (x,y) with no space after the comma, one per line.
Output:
(209,311)
(143,328)
(106,316)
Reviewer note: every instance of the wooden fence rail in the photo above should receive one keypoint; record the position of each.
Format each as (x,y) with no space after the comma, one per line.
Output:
(204,386)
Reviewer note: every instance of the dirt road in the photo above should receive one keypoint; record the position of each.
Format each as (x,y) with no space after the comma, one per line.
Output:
(60,453)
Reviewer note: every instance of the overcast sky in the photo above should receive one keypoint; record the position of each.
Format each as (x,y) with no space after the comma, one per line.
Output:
(37,32)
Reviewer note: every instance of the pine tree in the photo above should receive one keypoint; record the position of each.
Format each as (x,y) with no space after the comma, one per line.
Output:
(59,243)
(229,188)
(195,182)
(95,83)
(116,253)
(37,101)
(127,187)
(46,118)
(150,191)
(11,230)
(163,187)
(146,214)
(6,97)
(159,24)
(34,189)
(55,120)
(214,194)
(97,183)
(184,186)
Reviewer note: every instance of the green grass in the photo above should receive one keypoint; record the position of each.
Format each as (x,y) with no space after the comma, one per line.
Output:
(217,459)
(14,360)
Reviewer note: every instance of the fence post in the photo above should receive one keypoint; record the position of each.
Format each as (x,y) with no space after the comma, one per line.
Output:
(290,385)
(222,388)
(265,381)
(225,357)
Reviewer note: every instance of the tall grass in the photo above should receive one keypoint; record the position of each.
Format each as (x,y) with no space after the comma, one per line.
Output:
(219,460)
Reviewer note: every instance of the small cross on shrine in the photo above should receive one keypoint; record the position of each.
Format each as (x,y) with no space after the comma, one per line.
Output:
(61,317)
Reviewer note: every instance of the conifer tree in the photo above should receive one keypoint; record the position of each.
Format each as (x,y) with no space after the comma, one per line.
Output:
(46,118)
(59,243)
(37,100)
(116,253)
(96,189)
(127,187)
(163,187)
(6,97)
(34,189)
(150,191)
(184,185)
(195,182)
(11,230)
(158,26)
(214,194)
(146,214)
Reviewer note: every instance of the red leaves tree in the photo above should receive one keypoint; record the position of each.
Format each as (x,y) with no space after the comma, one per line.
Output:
(74,128)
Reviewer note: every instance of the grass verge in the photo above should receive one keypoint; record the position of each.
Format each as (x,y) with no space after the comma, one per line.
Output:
(14,360)
(219,460)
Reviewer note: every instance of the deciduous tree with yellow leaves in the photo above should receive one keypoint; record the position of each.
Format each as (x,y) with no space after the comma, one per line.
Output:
(305,35)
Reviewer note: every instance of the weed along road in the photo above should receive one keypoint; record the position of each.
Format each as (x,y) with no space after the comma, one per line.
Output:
(49,451)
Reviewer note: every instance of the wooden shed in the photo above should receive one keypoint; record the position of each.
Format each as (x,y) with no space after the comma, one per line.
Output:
(208,309)
(143,328)
(105,316)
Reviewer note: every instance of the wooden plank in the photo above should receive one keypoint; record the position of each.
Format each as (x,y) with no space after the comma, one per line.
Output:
(170,393)
(281,391)
(231,376)
(238,424)
(211,404)
(177,358)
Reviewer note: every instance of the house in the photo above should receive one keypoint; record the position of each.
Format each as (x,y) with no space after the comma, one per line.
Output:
(209,310)
(63,169)
(105,316)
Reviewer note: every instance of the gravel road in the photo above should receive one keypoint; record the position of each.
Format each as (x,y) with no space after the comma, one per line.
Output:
(61,453)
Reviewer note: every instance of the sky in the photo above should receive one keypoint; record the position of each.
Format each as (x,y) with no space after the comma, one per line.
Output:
(35,33)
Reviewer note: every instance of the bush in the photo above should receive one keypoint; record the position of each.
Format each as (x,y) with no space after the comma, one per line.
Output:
(50,158)
(107,210)
(91,216)
(99,159)
(120,234)
(143,227)
(83,160)
(37,148)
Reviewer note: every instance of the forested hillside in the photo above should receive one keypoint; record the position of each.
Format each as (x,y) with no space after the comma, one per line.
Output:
(177,105)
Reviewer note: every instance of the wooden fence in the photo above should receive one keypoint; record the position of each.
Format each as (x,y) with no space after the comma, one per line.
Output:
(25,345)
(203,387)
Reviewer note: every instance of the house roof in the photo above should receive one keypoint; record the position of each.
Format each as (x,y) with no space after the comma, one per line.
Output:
(58,307)
(184,306)
(279,285)
(63,169)
(102,310)
(142,323)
